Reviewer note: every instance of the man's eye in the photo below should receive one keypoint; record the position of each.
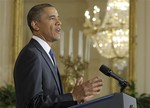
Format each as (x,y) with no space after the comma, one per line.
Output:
(51,18)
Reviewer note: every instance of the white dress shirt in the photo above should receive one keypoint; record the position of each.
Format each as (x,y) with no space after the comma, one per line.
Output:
(44,45)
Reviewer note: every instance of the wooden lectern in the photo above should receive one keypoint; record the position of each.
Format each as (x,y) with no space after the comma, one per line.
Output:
(116,100)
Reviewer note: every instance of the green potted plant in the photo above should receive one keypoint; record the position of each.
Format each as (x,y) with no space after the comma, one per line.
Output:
(7,96)
(143,99)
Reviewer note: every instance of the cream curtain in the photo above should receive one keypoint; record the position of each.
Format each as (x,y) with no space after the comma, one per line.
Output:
(11,18)
(6,35)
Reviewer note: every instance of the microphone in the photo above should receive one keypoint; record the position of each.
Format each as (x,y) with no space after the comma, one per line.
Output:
(104,69)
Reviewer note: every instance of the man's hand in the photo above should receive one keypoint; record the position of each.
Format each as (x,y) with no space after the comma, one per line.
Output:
(85,91)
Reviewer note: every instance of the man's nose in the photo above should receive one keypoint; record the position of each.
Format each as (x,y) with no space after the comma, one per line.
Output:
(58,22)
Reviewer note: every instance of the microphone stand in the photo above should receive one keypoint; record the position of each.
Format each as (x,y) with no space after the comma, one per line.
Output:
(123,85)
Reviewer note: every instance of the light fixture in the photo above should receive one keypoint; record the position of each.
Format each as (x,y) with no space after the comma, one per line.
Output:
(110,37)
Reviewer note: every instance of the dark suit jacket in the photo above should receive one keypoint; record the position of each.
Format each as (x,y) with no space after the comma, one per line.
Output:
(35,83)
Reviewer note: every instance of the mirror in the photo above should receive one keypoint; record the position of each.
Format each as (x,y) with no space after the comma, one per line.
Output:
(72,16)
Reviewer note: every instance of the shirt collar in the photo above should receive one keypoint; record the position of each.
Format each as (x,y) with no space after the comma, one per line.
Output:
(44,44)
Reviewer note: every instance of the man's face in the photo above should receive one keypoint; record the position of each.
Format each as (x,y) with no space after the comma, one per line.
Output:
(49,24)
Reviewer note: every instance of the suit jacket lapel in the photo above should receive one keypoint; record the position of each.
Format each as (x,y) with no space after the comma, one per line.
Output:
(48,61)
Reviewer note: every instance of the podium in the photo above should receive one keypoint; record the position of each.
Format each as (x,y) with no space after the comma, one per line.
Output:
(116,100)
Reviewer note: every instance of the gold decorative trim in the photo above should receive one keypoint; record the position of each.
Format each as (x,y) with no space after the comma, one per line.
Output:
(132,35)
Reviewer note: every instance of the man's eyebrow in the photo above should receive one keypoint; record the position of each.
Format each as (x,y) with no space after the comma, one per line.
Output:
(52,16)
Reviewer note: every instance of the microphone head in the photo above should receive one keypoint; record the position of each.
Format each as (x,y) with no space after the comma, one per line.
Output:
(104,69)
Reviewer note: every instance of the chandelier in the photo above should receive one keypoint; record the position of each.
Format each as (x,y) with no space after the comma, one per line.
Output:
(110,37)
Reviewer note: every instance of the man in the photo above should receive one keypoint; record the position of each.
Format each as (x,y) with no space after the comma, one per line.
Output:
(36,76)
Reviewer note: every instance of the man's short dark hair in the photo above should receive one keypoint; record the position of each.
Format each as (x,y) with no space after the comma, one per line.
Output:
(35,13)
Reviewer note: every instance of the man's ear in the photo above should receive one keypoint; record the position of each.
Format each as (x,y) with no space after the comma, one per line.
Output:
(35,25)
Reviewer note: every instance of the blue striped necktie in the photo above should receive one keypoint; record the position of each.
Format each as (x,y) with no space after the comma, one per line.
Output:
(55,67)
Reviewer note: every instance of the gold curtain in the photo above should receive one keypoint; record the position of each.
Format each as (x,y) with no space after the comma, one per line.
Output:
(18,27)
(17,30)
